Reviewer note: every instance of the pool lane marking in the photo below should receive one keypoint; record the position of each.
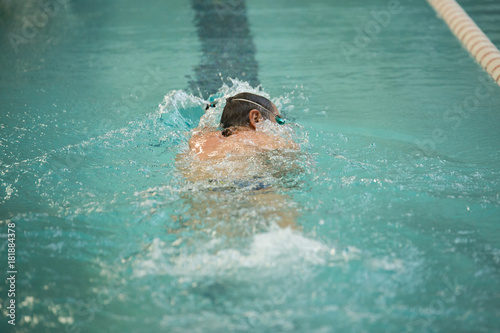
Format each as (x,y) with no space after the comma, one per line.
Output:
(227,46)
(470,35)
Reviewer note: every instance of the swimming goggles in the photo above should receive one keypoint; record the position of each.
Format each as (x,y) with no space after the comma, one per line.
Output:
(280,120)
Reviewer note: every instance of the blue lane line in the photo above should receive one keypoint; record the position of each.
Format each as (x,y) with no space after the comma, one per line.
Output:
(226,44)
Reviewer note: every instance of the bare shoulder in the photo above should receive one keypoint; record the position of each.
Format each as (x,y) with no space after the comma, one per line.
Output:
(201,140)
(212,144)
(270,141)
(206,135)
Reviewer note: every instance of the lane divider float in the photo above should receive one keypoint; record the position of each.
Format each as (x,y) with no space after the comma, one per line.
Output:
(471,36)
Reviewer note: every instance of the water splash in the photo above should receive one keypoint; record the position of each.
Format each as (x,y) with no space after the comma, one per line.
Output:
(274,253)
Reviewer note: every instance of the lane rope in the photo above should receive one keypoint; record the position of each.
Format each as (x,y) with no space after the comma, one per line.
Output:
(470,35)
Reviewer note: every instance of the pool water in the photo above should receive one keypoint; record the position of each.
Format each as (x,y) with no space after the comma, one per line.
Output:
(393,203)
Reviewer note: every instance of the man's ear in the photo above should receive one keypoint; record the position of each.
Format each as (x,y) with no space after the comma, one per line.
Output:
(254,117)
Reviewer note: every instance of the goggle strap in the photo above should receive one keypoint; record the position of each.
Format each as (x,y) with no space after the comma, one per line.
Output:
(246,100)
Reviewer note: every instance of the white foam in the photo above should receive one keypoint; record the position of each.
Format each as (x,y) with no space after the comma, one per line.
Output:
(275,252)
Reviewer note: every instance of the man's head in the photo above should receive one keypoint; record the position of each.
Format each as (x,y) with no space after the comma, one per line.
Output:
(246,110)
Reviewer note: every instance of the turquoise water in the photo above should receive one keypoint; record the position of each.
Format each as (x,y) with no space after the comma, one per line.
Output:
(395,197)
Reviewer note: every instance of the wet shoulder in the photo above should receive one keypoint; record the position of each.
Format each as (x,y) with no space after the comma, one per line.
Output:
(270,141)
(202,142)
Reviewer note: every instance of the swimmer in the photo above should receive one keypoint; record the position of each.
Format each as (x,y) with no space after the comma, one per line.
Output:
(240,135)
(233,165)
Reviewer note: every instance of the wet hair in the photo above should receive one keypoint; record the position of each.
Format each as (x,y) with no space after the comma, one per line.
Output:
(238,108)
